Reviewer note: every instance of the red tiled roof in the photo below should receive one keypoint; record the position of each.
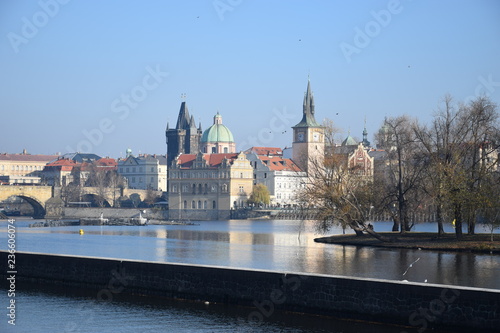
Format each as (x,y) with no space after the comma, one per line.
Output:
(62,162)
(277,163)
(213,160)
(266,151)
(106,162)
(27,157)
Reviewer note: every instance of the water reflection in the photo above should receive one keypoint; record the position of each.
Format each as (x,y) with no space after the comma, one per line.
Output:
(276,245)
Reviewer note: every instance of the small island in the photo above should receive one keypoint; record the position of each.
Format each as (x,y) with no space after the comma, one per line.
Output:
(478,243)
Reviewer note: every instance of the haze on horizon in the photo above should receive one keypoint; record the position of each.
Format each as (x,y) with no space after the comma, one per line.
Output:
(68,66)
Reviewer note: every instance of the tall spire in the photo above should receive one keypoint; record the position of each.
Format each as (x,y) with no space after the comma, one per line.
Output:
(366,143)
(183,120)
(308,108)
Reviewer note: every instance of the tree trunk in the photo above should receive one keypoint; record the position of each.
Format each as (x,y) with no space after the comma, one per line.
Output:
(458,220)
(439,217)
(395,226)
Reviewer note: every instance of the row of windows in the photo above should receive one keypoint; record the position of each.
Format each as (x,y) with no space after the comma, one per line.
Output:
(132,180)
(200,188)
(21,167)
(128,169)
(201,205)
(208,175)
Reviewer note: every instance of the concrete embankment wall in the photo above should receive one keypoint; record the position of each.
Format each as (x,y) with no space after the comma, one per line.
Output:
(419,306)
(78,213)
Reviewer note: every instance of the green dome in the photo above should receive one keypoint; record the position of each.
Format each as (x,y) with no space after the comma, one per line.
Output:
(217,132)
(349,141)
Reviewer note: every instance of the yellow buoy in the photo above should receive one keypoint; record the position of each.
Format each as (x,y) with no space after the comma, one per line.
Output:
(81,232)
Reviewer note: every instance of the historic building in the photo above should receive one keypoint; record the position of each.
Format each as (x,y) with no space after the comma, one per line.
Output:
(185,137)
(281,175)
(217,138)
(308,136)
(208,186)
(144,171)
(23,168)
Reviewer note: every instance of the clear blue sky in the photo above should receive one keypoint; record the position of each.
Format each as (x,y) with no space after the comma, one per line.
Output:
(65,69)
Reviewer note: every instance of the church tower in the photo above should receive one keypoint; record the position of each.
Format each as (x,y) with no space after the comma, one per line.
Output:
(308,136)
(185,137)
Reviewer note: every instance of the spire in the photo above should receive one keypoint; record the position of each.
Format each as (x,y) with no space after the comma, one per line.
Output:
(183,120)
(366,143)
(308,109)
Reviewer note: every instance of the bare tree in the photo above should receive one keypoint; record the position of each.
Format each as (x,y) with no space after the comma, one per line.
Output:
(405,166)
(340,195)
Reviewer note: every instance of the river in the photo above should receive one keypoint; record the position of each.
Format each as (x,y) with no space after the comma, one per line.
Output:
(278,245)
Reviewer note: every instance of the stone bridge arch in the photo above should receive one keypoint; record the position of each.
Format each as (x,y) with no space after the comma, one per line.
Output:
(36,196)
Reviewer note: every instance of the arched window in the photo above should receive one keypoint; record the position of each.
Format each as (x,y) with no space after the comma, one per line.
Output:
(199,204)
(193,204)
(206,188)
(194,188)
(214,150)
(200,189)
(205,204)
(225,150)
(185,204)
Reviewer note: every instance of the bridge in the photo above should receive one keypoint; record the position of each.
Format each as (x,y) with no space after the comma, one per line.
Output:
(37,196)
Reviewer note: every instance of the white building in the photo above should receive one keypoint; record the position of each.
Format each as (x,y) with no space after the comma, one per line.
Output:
(144,172)
(281,175)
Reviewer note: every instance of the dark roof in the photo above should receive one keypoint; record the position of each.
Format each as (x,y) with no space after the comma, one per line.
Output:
(27,157)
(308,119)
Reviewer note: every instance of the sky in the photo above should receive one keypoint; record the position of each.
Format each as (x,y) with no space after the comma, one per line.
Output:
(104,76)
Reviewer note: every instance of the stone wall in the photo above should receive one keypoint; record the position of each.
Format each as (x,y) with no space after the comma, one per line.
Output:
(419,306)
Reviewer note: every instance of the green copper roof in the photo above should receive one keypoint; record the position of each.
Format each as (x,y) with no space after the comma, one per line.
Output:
(349,141)
(217,132)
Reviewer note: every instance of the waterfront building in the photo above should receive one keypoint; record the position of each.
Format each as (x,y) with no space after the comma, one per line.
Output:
(208,186)
(281,175)
(144,171)
(308,136)
(185,137)
(23,168)
(217,139)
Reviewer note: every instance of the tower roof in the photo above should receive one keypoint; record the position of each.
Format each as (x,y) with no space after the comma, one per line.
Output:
(217,132)
(308,119)
(349,141)
(184,120)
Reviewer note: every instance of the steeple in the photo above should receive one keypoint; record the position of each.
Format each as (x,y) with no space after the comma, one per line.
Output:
(366,143)
(308,119)
(183,120)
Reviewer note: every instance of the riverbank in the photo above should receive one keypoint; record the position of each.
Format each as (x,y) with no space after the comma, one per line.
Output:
(480,243)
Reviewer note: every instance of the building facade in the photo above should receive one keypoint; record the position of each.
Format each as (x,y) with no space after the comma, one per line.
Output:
(144,171)
(23,168)
(281,175)
(208,186)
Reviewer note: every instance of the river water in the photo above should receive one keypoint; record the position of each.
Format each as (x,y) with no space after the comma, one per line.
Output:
(263,244)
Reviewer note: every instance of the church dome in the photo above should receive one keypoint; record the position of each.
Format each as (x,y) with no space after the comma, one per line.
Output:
(217,132)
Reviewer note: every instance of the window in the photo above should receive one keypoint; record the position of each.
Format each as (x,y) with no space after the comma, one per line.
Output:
(214,150)
(185,188)
(140,179)
(225,150)
(193,204)
(199,204)
(265,174)
(241,174)
(206,189)
(200,189)
(127,170)
(140,169)
(242,189)
(152,169)
(224,187)
(133,179)
(185,204)
(194,188)
(205,204)
(121,170)
(214,205)
(174,188)
(133,169)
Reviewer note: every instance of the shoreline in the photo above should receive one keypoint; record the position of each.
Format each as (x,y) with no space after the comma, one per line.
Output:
(479,243)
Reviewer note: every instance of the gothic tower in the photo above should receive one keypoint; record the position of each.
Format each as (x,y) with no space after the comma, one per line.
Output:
(308,136)
(185,137)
